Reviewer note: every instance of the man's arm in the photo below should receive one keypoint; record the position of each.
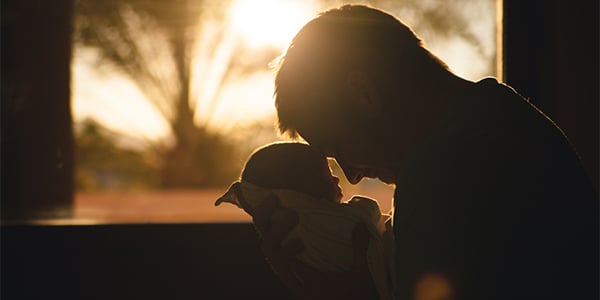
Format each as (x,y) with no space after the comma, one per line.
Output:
(355,284)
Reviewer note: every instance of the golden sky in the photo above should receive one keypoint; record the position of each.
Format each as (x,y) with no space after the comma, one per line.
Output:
(117,103)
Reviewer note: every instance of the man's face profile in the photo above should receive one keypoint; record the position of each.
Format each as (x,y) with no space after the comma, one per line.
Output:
(355,146)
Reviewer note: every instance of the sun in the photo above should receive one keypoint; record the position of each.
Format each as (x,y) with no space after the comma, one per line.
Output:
(270,22)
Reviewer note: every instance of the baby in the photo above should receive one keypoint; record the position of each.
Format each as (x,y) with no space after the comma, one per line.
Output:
(301,178)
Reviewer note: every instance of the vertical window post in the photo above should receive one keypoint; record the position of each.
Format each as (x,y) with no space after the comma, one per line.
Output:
(37,138)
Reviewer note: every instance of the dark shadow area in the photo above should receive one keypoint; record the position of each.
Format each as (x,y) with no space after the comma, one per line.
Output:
(37,137)
(551,56)
(145,261)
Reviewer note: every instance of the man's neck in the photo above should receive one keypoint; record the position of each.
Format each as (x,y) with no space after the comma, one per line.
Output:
(423,108)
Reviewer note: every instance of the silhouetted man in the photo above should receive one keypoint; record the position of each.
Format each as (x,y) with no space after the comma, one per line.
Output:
(490,196)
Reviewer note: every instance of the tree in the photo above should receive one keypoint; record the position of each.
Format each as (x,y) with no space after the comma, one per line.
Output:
(102,163)
(156,44)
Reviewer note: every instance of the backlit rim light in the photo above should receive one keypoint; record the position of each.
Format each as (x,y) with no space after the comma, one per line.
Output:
(270,22)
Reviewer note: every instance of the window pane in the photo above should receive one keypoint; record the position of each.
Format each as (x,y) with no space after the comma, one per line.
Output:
(169,100)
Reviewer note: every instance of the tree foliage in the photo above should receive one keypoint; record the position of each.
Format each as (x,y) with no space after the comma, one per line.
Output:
(101,163)
(170,50)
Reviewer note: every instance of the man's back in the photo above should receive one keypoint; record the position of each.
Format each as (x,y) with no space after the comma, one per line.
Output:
(499,205)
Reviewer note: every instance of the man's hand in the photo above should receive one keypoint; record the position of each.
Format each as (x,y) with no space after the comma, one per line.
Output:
(355,284)
(280,257)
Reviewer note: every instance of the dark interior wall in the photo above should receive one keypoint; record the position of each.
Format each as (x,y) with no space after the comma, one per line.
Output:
(551,56)
(37,139)
(142,261)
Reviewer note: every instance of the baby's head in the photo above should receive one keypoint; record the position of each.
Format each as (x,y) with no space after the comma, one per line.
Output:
(293,166)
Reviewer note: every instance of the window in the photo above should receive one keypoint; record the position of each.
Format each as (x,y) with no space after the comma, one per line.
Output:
(168,101)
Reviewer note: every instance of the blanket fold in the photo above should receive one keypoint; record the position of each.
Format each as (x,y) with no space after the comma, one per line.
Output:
(326,230)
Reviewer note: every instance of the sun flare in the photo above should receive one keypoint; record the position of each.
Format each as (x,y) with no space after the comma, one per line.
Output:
(270,22)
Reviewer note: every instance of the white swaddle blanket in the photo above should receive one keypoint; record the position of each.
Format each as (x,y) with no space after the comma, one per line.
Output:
(326,230)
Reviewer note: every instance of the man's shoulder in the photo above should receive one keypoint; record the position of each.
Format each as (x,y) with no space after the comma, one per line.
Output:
(492,84)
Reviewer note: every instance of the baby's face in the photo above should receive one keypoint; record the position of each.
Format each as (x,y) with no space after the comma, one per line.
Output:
(327,185)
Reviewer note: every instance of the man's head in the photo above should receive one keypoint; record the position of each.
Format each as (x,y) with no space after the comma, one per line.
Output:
(337,86)
(293,166)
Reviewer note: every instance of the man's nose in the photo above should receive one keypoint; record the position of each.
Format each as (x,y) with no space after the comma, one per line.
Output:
(353,175)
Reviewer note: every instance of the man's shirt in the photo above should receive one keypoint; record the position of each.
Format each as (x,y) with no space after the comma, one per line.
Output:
(499,204)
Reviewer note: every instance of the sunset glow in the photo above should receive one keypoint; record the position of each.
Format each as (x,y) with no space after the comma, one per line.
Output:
(270,22)
(256,25)
(230,88)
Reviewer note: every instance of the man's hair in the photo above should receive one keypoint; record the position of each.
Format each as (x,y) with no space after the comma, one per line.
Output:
(309,86)
(284,165)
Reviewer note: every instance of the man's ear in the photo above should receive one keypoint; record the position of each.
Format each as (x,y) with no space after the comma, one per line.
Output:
(363,90)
